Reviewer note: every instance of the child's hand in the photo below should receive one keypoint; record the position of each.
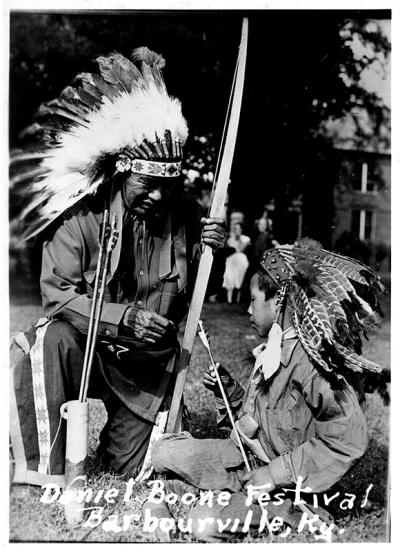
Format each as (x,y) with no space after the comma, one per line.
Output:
(210,379)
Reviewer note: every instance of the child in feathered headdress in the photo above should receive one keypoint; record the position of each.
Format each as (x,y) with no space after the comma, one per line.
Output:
(300,415)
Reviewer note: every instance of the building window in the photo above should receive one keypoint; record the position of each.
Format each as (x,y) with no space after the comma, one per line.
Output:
(363,224)
(362,178)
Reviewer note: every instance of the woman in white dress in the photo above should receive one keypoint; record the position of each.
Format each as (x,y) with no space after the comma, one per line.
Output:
(237,263)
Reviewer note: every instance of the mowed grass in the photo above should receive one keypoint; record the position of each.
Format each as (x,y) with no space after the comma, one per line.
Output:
(232,341)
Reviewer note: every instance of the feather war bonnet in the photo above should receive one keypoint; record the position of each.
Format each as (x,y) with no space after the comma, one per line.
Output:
(332,299)
(119,120)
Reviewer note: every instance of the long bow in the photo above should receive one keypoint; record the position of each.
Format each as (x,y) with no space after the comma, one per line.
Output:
(219,192)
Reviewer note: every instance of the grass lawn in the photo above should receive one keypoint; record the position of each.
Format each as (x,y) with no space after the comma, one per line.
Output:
(232,342)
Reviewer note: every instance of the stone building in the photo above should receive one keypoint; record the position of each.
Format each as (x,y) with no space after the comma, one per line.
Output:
(361,200)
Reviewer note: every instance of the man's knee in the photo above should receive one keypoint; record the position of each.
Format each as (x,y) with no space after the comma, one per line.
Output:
(61,332)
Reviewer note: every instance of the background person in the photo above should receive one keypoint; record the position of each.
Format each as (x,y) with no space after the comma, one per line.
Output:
(237,263)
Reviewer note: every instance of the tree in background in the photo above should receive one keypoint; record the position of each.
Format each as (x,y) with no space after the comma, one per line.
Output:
(303,85)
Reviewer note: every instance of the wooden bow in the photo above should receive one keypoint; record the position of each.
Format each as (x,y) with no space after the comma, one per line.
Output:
(219,192)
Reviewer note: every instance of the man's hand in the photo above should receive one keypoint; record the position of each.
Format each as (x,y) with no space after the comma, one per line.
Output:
(210,379)
(260,478)
(148,326)
(213,232)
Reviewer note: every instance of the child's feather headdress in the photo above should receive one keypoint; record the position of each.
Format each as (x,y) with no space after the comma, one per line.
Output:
(119,120)
(332,299)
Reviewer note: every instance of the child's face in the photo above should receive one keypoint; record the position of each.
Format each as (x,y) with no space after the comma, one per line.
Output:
(262,312)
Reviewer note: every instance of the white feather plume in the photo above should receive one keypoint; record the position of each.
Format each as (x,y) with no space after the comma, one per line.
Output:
(127,121)
(121,117)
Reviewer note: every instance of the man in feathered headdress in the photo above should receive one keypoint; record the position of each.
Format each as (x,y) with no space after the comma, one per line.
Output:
(300,415)
(115,142)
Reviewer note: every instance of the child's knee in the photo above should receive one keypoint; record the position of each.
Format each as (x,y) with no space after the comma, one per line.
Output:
(162,455)
(167,451)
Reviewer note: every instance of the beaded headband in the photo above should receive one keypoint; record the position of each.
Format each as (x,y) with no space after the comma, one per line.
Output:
(275,267)
(149,168)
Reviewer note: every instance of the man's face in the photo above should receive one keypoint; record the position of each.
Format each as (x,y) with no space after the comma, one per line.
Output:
(146,195)
(262,312)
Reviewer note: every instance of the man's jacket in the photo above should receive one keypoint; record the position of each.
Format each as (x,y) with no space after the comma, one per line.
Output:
(152,266)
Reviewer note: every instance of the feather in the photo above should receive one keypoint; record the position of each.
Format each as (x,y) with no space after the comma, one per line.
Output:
(151,65)
(52,108)
(51,125)
(122,71)
(111,72)
(29,175)
(95,95)
(89,99)
(148,56)
(355,362)
(332,305)
(307,271)
(364,308)
(310,320)
(159,80)
(339,286)
(345,291)
(96,86)
(43,192)
(70,96)
(373,280)
(22,157)
(350,268)
(349,334)
(303,337)
(322,313)
(30,130)
(69,197)
(153,78)
(34,203)
(70,108)
(369,295)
